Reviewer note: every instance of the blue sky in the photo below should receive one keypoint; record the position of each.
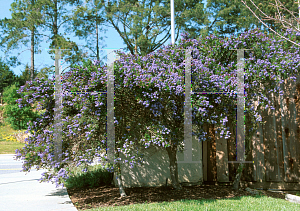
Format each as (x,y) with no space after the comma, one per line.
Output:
(43,59)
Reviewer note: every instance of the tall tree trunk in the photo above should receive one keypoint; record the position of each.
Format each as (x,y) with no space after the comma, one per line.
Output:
(32,51)
(135,48)
(172,150)
(238,176)
(117,174)
(55,27)
(32,56)
(97,41)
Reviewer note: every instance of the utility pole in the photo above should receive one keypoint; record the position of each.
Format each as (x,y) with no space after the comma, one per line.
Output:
(172,23)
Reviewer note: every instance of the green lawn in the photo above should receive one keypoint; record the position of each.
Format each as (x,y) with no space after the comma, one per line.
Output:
(8,144)
(261,203)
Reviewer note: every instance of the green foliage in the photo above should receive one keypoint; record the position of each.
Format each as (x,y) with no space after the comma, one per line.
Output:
(233,16)
(7,77)
(97,177)
(25,20)
(142,22)
(45,72)
(83,24)
(25,76)
(13,114)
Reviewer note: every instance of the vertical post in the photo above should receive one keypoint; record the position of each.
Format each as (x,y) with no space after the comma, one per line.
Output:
(172,23)
(188,110)
(58,108)
(240,91)
(188,156)
(240,106)
(110,113)
(57,111)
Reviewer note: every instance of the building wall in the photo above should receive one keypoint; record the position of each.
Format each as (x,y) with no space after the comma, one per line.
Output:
(156,168)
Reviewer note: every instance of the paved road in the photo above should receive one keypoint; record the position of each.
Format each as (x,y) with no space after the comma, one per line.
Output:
(8,165)
(22,190)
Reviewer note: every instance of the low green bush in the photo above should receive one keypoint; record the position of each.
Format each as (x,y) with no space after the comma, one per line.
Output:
(97,176)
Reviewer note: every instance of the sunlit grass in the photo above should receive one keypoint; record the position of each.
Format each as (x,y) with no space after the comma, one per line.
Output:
(244,203)
(8,143)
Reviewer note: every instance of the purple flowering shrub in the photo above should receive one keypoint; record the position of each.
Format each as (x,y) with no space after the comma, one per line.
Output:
(84,122)
(213,68)
(149,99)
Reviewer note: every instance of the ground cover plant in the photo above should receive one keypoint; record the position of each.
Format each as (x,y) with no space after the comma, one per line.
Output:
(149,99)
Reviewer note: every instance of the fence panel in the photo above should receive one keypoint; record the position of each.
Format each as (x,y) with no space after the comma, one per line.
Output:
(291,125)
(278,108)
(205,154)
(231,147)
(270,141)
(297,102)
(222,159)
(288,131)
(275,147)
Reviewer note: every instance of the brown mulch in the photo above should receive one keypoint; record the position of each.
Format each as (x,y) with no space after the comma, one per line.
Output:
(105,196)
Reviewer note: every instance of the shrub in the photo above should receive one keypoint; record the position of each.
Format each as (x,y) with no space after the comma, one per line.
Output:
(97,177)
(141,79)
(16,116)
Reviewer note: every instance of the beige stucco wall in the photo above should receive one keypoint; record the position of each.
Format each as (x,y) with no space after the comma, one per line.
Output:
(156,168)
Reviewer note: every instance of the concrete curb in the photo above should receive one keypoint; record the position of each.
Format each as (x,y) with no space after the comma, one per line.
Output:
(292,198)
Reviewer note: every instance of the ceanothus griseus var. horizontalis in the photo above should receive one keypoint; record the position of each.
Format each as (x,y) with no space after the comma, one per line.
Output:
(152,89)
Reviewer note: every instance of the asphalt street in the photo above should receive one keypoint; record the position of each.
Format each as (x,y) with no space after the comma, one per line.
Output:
(23,191)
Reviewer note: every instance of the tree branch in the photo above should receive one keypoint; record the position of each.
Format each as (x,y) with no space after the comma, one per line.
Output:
(267,25)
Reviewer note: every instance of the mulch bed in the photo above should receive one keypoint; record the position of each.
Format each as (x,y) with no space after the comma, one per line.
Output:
(87,198)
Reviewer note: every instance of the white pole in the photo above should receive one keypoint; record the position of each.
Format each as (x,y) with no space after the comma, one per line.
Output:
(172,23)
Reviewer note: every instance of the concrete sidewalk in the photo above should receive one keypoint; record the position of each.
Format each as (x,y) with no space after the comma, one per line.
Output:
(19,191)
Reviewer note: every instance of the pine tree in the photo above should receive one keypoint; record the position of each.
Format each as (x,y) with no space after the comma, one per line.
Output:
(86,21)
(142,22)
(26,16)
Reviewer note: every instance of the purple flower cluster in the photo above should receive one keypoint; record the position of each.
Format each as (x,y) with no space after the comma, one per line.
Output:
(157,82)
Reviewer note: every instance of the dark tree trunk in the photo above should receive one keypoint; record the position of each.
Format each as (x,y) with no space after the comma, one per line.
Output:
(97,41)
(172,150)
(32,50)
(236,182)
(32,56)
